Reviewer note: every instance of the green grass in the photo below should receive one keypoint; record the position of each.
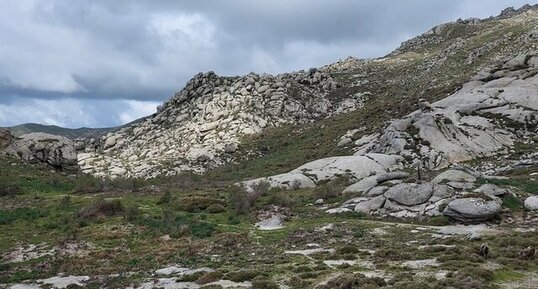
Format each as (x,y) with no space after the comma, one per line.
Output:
(527,185)
(20,214)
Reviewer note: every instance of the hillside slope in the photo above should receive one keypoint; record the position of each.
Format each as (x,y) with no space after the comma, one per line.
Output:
(217,120)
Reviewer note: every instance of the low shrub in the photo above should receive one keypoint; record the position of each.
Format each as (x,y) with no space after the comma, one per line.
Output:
(264,284)
(239,201)
(215,209)
(65,203)
(195,203)
(242,275)
(165,198)
(512,202)
(9,189)
(177,225)
(209,277)
(101,208)
(132,213)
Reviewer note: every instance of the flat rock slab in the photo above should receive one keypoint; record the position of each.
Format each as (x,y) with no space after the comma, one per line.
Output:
(309,252)
(471,231)
(64,281)
(288,181)
(454,176)
(174,270)
(357,167)
(491,190)
(419,264)
(275,222)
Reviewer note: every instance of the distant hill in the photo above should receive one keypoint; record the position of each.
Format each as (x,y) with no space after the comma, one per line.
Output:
(84,132)
(71,133)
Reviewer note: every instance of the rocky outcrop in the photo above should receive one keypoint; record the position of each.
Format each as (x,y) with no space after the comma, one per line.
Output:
(368,183)
(405,200)
(200,126)
(353,168)
(54,151)
(6,138)
(410,194)
(489,115)
(289,181)
(472,209)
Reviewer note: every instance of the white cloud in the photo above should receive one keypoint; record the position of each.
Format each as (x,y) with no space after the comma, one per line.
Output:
(61,112)
(74,113)
(83,63)
(137,109)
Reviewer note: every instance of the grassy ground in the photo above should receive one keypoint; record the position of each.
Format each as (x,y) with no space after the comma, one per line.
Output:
(138,228)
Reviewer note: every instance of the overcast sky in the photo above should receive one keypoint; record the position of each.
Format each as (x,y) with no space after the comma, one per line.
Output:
(102,63)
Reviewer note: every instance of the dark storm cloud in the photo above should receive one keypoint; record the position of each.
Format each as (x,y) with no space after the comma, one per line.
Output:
(96,52)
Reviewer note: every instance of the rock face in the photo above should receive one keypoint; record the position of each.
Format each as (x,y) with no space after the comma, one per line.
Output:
(472,209)
(488,115)
(6,138)
(55,151)
(410,194)
(200,126)
(531,203)
(401,200)
(289,181)
(454,176)
(355,168)
(368,183)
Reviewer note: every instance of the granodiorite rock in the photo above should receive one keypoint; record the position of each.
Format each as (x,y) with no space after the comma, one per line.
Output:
(531,203)
(6,138)
(55,151)
(410,194)
(486,116)
(200,126)
(472,209)
(284,181)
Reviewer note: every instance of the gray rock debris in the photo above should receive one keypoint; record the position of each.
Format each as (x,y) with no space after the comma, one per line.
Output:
(200,127)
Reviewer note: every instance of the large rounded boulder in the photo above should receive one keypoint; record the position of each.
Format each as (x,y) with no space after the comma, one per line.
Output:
(472,209)
(531,203)
(410,194)
(55,151)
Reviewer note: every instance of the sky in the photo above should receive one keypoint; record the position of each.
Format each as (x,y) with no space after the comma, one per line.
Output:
(101,63)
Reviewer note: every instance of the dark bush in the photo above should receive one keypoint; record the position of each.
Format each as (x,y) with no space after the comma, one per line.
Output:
(101,208)
(210,277)
(241,275)
(239,201)
(264,284)
(195,203)
(215,209)
(64,203)
(165,198)
(9,189)
(132,213)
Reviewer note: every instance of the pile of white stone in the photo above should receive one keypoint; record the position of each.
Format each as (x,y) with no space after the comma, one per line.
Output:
(452,193)
(201,125)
